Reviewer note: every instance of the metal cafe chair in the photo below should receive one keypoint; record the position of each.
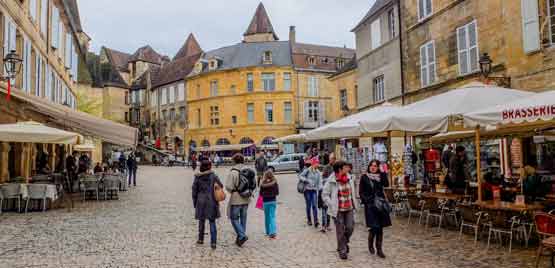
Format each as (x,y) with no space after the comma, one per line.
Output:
(111,187)
(499,225)
(470,218)
(416,206)
(545,227)
(89,184)
(12,191)
(36,192)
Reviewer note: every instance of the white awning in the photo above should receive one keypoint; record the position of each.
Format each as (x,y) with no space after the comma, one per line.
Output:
(432,115)
(81,122)
(349,126)
(36,133)
(84,147)
(533,109)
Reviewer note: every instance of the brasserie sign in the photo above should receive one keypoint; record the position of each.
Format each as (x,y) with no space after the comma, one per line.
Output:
(529,113)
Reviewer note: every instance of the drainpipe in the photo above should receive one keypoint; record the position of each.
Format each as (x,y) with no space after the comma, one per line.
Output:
(401,59)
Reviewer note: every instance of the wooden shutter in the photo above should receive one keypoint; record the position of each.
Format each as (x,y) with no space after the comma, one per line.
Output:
(321,112)
(423,66)
(33,9)
(305,115)
(431,62)
(55,27)
(530,25)
(462,50)
(44,16)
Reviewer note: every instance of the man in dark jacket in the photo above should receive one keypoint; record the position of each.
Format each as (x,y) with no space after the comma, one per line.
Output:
(458,171)
(260,164)
(71,167)
(132,169)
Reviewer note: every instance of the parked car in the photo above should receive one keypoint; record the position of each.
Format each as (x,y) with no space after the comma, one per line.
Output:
(286,162)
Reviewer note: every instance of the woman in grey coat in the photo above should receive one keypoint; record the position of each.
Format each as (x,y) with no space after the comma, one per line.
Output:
(311,177)
(206,206)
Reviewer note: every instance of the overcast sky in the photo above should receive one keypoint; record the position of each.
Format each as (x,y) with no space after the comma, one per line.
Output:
(164,24)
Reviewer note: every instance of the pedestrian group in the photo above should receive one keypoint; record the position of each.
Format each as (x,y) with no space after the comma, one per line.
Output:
(330,193)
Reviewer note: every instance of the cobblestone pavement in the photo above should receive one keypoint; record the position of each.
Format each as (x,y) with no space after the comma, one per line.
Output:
(152,225)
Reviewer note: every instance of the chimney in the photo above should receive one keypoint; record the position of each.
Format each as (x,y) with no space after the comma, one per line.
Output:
(292,34)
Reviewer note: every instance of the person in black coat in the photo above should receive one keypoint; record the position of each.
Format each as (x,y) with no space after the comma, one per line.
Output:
(371,187)
(206,206)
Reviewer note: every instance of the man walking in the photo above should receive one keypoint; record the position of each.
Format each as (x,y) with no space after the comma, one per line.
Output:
(132,169)
(338,194)
(260,164)
(238,204)
(71,167)
(326,174)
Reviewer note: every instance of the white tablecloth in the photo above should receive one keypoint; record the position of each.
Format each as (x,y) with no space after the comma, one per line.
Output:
(51,190)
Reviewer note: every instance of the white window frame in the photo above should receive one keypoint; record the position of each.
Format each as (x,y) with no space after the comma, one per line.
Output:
(287,81)
(44,17)
(313,111)
(391,23)
(550,18)
(181,92)
(250,112)
(171,94)
(375,34)
(426,15)
(269,112)
(269,81)
(33,6)
(468,48)
(288,112)
(54,22)
(313,86)
(38,74)
(250,82)
(343,99)
(427,77)
(26,68)
(213,88)
(164,97)
(378,88)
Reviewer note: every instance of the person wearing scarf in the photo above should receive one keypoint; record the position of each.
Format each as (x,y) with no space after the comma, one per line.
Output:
(269,190)
(338,194)
(371,186)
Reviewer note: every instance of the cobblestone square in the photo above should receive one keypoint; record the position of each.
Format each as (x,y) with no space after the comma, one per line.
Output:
(152,225)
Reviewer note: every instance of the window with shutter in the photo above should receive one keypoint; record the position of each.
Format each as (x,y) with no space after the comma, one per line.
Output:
(26,64)
(33,9)
(321,113)
(427,64)
(38,75)
(551,19)
(530,25)
(424,9)
(68,50)
(55,24)
(287,112)
(467,45)
(375,34)
(181,92)
(313,86)
(250,112)
(378,89)
(44,17)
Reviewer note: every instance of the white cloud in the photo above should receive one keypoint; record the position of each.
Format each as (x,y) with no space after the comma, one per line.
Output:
(164,24)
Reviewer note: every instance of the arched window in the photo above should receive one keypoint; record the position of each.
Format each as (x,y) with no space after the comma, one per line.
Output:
(223,141)
(268,140)
(246,140)
(205,143)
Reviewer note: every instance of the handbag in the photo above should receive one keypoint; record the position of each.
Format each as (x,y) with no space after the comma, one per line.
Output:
(260,203)
(301,186)
(219,194)
(380,203)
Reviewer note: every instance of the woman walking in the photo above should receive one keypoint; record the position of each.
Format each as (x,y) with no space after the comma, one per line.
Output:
(311,177)
(269,190)
(371,188)
(206,206)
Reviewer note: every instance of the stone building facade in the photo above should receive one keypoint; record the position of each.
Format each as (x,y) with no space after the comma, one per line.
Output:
(378,55)
(444,40)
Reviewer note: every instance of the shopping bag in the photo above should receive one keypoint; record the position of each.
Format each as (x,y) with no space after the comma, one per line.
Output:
(260,203)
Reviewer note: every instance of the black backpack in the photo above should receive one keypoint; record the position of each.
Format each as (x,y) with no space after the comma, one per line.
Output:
(247,182)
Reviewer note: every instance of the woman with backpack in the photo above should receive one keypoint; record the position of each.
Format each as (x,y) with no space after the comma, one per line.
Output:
(311,178)
(269,190)
(372,195)
(204,201)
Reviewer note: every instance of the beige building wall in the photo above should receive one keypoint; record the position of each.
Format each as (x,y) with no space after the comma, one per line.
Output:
(115,105)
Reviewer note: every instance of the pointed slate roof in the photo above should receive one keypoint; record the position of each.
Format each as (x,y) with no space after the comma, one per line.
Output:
(190,48)
(118,59)
(260,23)
(378,5)
(147,54)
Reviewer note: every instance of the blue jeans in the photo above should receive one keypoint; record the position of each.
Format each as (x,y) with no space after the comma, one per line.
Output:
(311,199)
(133,173)
(270,217)
(239,220)
(213,231)
(325,217)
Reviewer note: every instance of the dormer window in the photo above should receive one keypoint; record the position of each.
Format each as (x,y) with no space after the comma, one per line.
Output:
(340,63)
(267,57)
(324,60)
(213,64)
(198,67)
(311,60)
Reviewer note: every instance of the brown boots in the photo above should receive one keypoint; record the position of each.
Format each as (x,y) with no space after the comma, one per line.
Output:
(377,236)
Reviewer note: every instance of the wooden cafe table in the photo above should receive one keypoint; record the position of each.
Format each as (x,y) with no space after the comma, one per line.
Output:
(446,196)
(509,206)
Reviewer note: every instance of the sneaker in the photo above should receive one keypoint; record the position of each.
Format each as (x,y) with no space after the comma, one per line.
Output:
(343,256)
(273,236)
(309,223)
(316,225)
(213,246)
(200,242)
(242,241)
(323,230)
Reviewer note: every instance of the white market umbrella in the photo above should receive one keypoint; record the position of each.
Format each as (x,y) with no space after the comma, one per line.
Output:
(349,126)
(36,133)
(533,109)
(88,147)
(432,115)
(291,138)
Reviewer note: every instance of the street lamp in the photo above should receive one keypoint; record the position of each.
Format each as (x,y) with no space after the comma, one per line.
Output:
(486,69)
(12,66)
(485,65)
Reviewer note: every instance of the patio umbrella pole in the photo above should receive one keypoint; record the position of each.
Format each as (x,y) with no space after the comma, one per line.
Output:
(389,158)
(478,164)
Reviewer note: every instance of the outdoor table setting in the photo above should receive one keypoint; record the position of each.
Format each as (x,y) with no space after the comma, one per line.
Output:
(446,196)
(509,206)
(26,191)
